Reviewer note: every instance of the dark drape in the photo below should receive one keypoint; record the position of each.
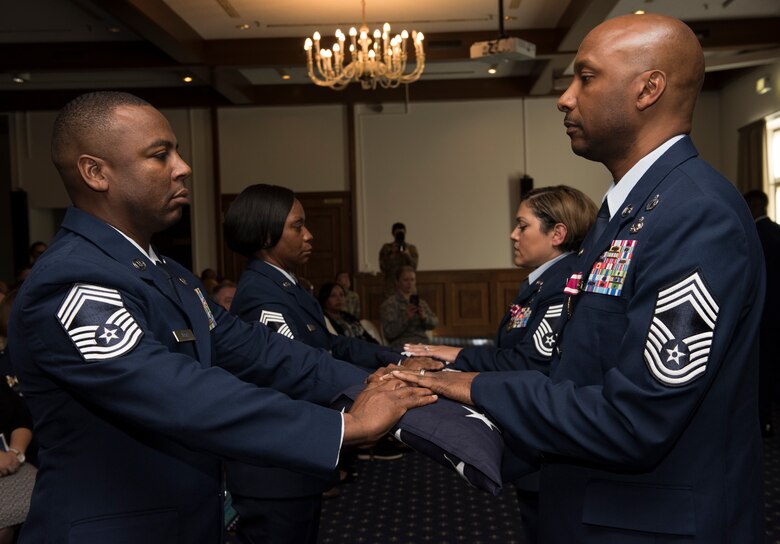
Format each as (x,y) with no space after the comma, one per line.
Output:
(751,157)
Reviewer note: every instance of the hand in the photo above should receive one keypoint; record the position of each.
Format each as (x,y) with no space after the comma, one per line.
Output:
(379,407)
(443,353)
(453,385)
(411,311)
(9,464)
(416,363)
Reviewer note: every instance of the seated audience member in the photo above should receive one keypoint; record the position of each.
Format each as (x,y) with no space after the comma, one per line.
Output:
(351,298)
(332,299)
(405,318)
(208,274)
(396,254)
(16,477)
(551,224)
(36,250)
(223,294)
(267,224)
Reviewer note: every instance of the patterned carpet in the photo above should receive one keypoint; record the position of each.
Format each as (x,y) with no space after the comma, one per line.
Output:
(416,501)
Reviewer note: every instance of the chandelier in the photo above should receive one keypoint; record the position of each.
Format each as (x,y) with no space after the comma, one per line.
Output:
(381,61)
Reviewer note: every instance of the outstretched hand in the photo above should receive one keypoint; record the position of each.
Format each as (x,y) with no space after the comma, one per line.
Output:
(379,407)
(442,353)
(453,385)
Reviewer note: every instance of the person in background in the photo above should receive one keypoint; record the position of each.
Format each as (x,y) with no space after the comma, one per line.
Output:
(551,224)
(333,300)
(769,337)
(267,224)
(138,385)
(16,475)
(648,422)
(351,298)
(396,254)
(36,250)
(223,294)
(406,319)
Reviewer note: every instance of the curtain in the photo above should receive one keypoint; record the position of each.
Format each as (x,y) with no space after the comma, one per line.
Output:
(751,157)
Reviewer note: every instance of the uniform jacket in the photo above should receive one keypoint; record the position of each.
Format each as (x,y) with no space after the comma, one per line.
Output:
(525,340)
(264,294)
(648,422)
(131,380)
(769,234)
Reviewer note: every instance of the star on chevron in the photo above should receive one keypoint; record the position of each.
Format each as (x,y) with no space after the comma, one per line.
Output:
(482,417)
(108,334)
(549,340)
(675,354)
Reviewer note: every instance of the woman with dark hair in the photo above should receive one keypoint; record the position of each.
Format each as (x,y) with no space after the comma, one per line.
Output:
(551,224)
(267,224)
(332,298)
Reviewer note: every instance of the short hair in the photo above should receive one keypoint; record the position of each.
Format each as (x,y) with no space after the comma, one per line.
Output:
(87,116)
(326,290)
(563,204)
(402,269)
(256,218)
(397,226)
(756,197)
(221,286)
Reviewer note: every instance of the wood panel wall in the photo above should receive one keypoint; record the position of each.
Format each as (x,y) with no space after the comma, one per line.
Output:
(468,303)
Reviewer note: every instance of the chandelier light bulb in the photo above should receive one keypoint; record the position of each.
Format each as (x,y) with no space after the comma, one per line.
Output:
(375,58)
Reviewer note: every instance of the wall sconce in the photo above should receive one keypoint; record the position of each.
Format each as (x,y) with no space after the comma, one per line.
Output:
(763,85)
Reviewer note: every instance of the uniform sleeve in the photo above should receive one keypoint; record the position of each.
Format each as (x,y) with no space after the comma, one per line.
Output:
(533,350)
(631,413)
(148,386)
(365,354)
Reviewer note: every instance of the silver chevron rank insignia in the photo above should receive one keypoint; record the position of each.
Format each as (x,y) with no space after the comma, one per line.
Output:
(544,335)
(678,342)
(98,323)
(275,321)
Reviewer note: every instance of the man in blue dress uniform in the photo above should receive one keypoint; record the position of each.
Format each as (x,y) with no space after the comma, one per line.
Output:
(139,385)
(648,423)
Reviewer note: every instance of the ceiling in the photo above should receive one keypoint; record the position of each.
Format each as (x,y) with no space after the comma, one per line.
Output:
(236,50)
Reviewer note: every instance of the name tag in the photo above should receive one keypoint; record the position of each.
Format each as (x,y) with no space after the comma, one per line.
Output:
(184,335)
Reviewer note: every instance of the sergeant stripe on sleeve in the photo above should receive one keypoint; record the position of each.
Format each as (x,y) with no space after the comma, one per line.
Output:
(544,335)
(98,323)
(275,321)
(680,336)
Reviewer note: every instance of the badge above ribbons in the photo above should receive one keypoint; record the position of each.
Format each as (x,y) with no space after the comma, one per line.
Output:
(98,323)
(678,342)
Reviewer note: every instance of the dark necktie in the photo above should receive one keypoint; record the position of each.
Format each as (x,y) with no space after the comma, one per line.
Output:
(602,220)
(161,266)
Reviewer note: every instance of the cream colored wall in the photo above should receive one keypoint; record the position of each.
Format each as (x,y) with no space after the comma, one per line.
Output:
(303,148)
(449,170)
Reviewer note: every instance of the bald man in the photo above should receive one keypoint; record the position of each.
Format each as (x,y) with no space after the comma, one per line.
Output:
(138,384)
(648,422)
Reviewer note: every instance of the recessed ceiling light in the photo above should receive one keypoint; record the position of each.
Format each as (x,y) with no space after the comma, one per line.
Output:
(187,79)
(114,29)
(244,26)
(639,12)
(283,73)
(493,69)
(20,78)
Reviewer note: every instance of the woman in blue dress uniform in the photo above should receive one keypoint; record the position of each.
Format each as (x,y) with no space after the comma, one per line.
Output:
(551,225)
(267,224)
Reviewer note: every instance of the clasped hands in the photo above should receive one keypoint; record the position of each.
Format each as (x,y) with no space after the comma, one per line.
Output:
(424,372)
(9,463)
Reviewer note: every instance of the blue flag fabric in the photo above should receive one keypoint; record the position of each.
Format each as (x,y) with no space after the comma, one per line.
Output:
(452,434)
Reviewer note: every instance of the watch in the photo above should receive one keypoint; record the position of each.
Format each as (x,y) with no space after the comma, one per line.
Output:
(19,454)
